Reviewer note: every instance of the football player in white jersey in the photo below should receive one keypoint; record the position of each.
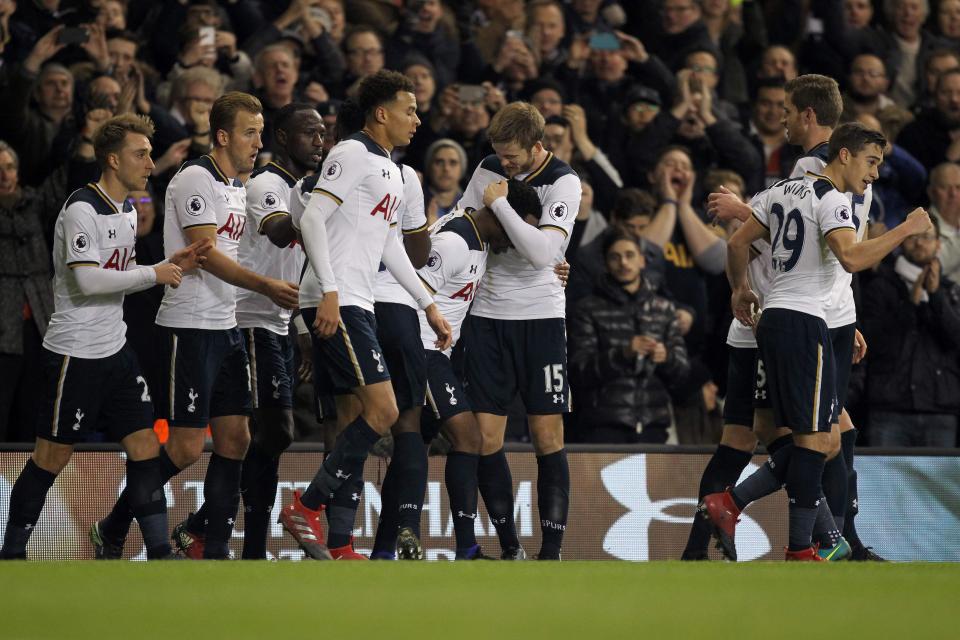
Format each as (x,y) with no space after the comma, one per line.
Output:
(516,337)
(801,216)
(204,356)
(405,483)
(346,230)
(268,247)
(462,241)
(91,374)
(812,111)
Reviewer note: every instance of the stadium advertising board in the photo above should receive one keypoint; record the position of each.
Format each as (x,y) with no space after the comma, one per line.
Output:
(623,506)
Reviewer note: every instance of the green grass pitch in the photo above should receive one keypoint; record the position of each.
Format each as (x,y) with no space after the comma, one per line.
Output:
(493,600)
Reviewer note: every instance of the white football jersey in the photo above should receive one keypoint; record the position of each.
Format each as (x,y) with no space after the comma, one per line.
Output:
(457,262)
(310,292)
(201,195)
(800,213)
(759,275)
(513,289)
(91,231)
(366,185)
(411,218)
(841,308)
(268,197)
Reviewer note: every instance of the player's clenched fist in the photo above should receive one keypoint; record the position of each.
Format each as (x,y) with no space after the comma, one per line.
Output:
(920,220)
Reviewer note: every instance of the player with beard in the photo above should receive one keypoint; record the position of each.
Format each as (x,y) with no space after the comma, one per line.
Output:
(516,338)
(203,352)
(268,247)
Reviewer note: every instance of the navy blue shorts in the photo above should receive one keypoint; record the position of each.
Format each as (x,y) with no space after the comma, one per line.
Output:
(271,368)
(842,339)
(398,332)
(746,386)
(79,394)
(504,357)
(208,374)
(798,359)
(446,396)
(325,407)
(352,355)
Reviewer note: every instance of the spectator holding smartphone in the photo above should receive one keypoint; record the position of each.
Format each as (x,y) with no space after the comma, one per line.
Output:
(625,351)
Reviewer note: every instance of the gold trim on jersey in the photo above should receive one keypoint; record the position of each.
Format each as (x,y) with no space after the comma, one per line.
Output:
(352,355)
(329,195)
(83,263)
(432,403)
(553,227)
(103,196)
(59,398)
(282,169)
(252,369)
(270,216)
(540,169)
(476,229)
(427,285)
(216,166)
(820,176)
(759,221)
(838,229)
(173,376)
(202,224)
(816,387)
(408,232)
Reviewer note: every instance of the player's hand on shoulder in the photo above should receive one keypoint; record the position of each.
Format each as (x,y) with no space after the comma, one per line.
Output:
(440,327)
(328,315)
(284,294)
(193,256)
(493,191)
(169,273)
(563,273)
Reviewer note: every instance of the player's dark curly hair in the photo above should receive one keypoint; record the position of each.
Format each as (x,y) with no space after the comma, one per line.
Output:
(523,198)
(350,118)
(380,88)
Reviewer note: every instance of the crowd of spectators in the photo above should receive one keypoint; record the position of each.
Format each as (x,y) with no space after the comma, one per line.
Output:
(655,103)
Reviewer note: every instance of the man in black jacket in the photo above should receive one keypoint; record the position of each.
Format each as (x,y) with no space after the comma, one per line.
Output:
(625,351)
(911,321)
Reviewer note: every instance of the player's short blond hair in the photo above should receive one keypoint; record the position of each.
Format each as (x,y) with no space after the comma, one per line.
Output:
(518,122)
(111,135)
